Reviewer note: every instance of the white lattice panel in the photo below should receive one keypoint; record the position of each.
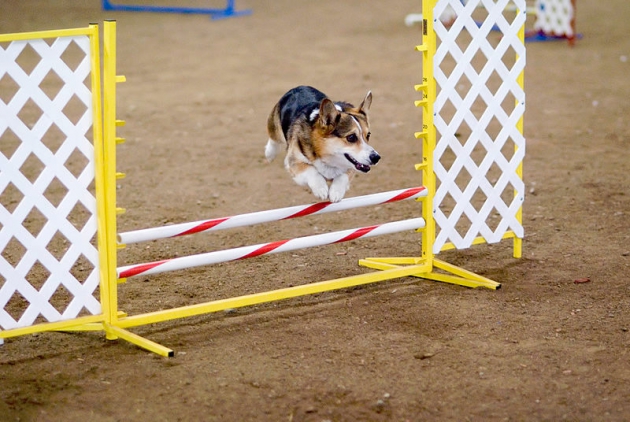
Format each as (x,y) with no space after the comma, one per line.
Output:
(48,260)
(477,110)
(555,17)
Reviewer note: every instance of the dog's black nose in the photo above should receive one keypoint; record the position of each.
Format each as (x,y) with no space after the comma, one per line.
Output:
(374,157)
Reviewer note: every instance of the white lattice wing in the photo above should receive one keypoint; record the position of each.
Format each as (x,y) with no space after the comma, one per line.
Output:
(49,267)
(479,104)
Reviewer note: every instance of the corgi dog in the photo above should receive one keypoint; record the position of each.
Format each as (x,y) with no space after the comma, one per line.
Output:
(326,142)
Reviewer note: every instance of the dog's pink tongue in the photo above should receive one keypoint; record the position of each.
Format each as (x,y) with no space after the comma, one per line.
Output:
(362,167)
(359,166)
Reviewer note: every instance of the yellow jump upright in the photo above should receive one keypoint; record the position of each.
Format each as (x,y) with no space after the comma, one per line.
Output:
(459,126)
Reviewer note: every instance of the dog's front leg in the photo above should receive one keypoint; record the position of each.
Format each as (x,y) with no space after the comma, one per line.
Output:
(306,175)
(339,187)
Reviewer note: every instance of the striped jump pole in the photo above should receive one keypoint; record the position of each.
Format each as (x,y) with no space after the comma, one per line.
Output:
(250,219)
(268,248)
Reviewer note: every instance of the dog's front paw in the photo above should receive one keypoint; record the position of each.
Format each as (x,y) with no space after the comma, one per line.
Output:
(307,175)
(320,190)
(338,188)
(336,193)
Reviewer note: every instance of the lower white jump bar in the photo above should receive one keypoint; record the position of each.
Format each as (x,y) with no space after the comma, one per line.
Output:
(268,248)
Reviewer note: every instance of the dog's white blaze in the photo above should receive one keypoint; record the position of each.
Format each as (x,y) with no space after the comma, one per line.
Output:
(359,126)
(366,149)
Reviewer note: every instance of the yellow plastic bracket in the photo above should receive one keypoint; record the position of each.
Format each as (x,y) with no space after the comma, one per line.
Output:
(420,103)
(420,87)
(421,167)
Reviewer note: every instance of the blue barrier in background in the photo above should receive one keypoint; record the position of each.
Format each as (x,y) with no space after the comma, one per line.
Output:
(227,12)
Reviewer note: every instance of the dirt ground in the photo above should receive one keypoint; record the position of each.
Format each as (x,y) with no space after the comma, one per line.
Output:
(196,101)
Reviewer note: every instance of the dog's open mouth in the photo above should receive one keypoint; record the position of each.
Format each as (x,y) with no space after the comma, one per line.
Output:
(361,167)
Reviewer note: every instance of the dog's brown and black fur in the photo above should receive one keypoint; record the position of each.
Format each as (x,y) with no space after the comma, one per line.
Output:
(326,142)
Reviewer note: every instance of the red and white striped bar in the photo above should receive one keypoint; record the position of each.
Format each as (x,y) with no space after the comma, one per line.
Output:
(250,219)
(268,248)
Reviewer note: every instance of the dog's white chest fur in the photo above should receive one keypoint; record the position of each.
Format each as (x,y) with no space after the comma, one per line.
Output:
(329,172)
(318,176)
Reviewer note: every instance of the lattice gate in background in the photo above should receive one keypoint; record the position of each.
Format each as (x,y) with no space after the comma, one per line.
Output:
(554,19)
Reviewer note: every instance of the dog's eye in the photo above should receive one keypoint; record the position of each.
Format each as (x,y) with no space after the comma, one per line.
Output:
(368,136)
(352,138)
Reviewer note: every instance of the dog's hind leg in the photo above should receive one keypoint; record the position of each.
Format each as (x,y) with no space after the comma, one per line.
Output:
(272,149)
(276,141)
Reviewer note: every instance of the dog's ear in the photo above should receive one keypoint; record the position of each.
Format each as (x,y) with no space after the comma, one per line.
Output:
(367,102)
(328,114)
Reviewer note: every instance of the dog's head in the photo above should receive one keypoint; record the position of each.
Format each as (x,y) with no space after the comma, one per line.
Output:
(342,135)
